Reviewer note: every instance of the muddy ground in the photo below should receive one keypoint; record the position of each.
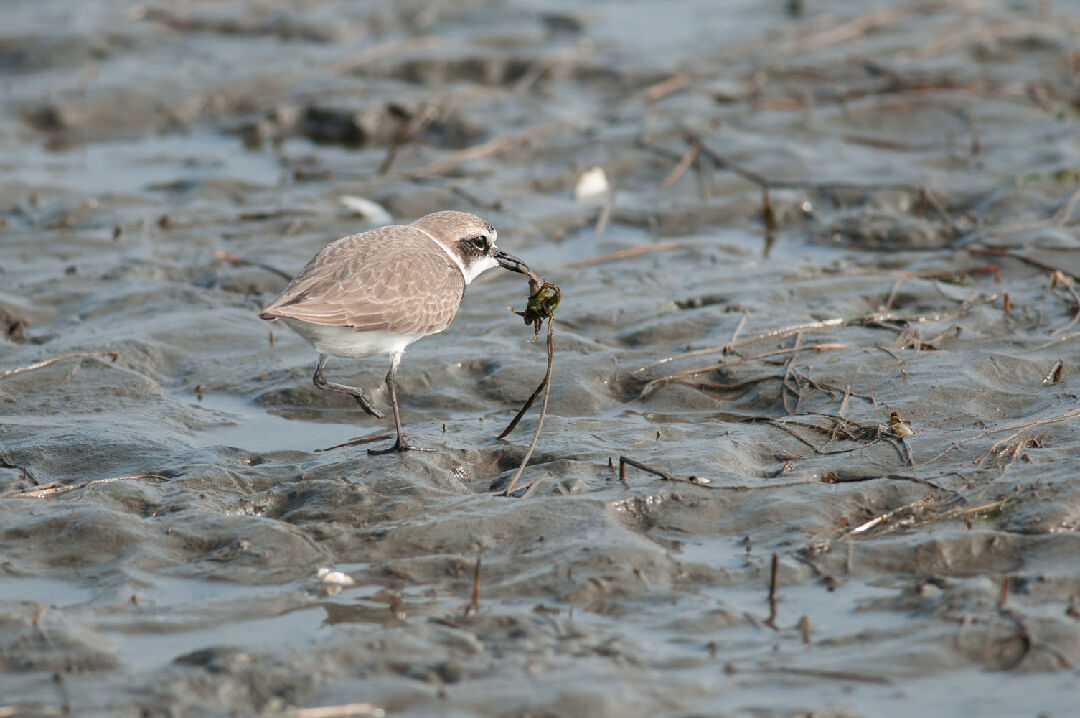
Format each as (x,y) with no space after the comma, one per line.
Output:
(830,305)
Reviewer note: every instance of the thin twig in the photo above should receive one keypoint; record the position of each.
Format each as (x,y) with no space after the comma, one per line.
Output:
(887,516)
(722,162)
(830,675)
(684,164)
(1006,252)
(629,252)
(1018,428)
(356,442)
(834,390)
(729,386)
(741,360)
(784,387)
(112,356)
(666,87)
(696,480)
(976,509)
(625,461)
(782,426)
(1054,342)
(543,406)
(525,407)
(950,273)
(773,571)
(887,306)
(866,436)
(844,401)
(739,327)
(57,490)
(241,262)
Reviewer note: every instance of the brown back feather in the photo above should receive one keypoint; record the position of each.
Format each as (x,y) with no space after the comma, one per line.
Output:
(392,279)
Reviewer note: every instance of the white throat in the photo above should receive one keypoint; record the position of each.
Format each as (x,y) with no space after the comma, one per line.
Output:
(479,267)
(473,270)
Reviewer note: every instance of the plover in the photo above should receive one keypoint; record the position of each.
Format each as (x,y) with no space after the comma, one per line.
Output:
(379,291)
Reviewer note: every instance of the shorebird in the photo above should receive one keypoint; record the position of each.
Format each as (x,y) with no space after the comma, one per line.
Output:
(379,291)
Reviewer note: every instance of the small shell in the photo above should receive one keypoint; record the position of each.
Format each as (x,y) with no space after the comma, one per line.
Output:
(592,186)
(899,426)
(337,578)
(371,211)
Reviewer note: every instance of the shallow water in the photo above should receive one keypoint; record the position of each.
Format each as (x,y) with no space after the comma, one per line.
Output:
(173,493)
(251,427)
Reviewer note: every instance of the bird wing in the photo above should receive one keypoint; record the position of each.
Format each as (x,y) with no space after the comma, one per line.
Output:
(392,279)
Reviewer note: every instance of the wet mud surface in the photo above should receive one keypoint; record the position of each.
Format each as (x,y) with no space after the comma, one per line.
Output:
(840,329)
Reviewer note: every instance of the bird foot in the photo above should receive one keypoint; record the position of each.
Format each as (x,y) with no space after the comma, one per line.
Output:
(354,391)
(367,406)
(400,446)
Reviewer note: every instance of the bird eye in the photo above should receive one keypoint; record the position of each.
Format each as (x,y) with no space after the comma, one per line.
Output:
(479,242)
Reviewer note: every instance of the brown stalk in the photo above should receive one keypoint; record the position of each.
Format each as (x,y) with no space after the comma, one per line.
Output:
(241,262)
(629,252)
(666,87)
(536,288)
(356,442)
(1017,428)
(995,251)
(56,489)
(691,154)
(625,461)
(546,384)
(111,356)
(773,571)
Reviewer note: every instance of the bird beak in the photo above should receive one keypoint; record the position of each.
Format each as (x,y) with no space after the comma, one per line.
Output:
(509,261)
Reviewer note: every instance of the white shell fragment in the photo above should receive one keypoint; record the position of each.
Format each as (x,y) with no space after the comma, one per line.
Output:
(592,186)
(338,578)
(371,211)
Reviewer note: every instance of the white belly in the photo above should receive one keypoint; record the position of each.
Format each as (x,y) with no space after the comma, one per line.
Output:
(349,343)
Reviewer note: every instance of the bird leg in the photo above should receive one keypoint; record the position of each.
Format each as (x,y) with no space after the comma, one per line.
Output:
(391,384)
(353,391)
